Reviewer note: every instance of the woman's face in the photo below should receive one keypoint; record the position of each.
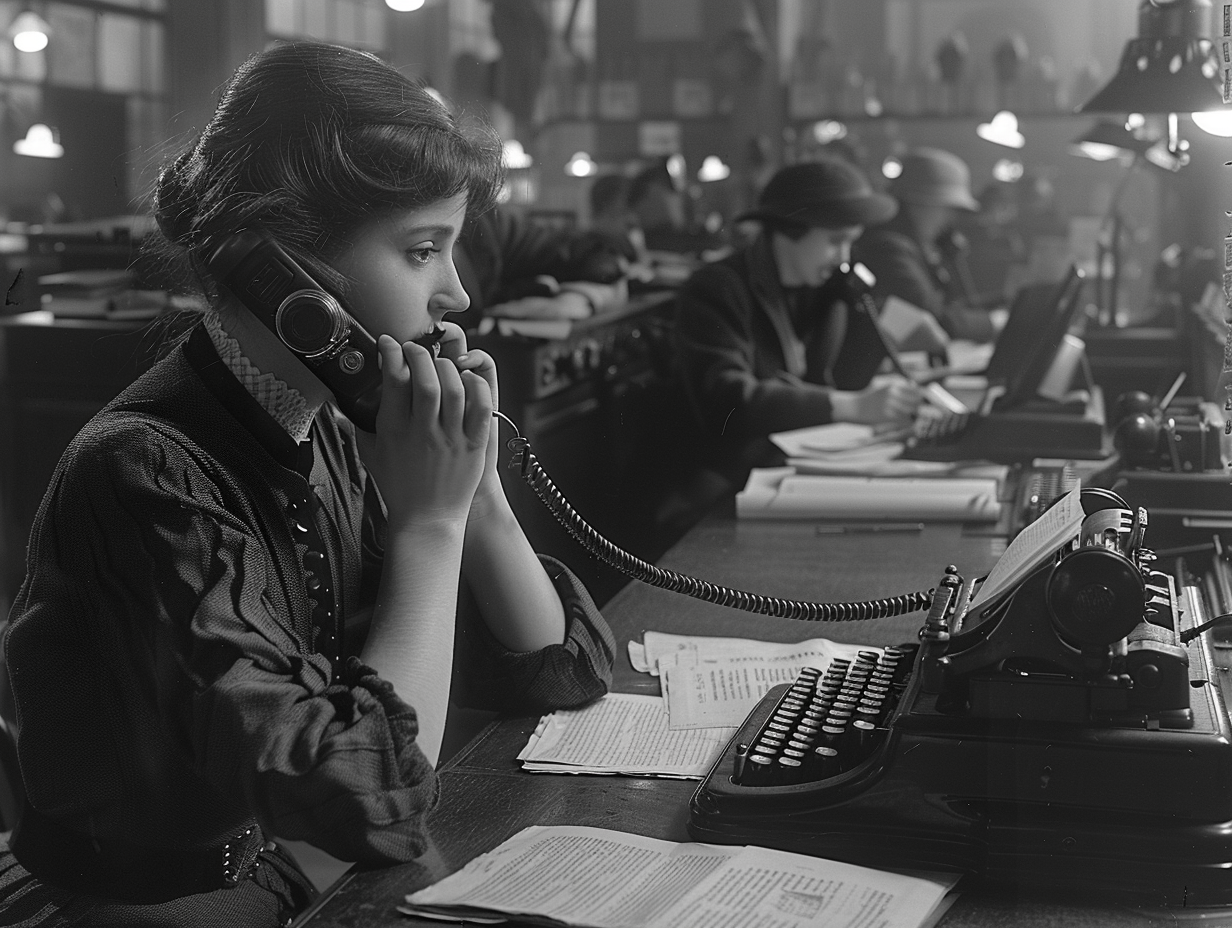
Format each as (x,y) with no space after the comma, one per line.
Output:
(810,260)
(403,280)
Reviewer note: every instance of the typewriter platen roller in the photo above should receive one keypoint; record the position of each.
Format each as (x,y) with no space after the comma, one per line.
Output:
(1071,734)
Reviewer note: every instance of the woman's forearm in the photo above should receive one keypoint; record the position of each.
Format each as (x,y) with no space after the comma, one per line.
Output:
(411,639)
(514,593)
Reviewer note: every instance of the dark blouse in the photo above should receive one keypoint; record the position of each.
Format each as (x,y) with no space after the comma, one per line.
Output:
(167,651)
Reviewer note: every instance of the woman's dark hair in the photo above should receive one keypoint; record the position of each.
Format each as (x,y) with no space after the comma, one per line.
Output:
(310,140)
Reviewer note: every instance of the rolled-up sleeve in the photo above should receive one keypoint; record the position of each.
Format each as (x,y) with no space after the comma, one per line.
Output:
(186,662)
(573,673)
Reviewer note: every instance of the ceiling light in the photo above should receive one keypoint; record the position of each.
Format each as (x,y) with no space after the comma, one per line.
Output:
(40,142)
(580,165)
(404,6)
(29,32)
(713,169)
(1002,130)
(515,156)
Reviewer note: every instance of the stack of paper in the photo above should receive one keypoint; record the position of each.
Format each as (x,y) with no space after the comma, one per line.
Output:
(621,734)
(782,493)
(576,875)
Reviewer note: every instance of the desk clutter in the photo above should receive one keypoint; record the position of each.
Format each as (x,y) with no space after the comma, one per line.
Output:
(1012,741)
(599,878)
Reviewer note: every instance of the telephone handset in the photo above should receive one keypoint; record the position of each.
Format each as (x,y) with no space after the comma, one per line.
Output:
(306,317)
(310,320)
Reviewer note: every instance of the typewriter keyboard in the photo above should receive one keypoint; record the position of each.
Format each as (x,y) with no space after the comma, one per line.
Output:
(825,723)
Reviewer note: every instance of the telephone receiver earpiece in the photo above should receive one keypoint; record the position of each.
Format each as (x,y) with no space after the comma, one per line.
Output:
(306,317)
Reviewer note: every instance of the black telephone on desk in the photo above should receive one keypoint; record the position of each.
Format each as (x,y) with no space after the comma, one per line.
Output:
(1073,734)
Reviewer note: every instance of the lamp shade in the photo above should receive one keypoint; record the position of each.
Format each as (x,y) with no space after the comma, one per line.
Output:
(1171,67)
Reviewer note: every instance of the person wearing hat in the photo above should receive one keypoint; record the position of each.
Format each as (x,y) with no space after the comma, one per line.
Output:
(914,254)
(764,340)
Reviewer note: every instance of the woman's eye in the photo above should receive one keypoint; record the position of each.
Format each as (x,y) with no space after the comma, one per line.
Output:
(422,255)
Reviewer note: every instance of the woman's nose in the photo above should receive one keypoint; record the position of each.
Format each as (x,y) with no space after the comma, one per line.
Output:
(451,297)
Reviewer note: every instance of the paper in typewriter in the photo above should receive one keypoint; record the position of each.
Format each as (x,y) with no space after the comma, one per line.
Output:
(576,875)
(621,734)
(1031,547)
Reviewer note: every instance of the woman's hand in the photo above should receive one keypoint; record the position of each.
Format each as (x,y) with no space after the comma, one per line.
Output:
(431,445)
(490,495)
(893,401)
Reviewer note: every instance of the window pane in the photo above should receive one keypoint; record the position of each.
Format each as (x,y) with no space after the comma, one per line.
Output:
(153,65)
(71,60)
(119,44)
(280,17)
(317,19)
(346,22)
(372,35)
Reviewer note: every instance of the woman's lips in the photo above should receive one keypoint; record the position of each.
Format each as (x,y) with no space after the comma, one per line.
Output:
(431,340)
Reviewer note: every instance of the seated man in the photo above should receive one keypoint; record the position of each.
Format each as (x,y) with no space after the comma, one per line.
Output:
(912,254)
(768,339)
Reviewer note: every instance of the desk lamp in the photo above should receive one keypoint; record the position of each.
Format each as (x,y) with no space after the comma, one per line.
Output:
(1106,141)
(1170,68)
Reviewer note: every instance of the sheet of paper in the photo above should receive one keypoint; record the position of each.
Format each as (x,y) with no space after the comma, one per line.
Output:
(721,693)
(608,879)
(695,648)
(835,436)
(1038,541)
(772,494)
(621,734)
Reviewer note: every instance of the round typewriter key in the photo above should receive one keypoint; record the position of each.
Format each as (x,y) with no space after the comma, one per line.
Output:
(865,732)
(757,770)
(795,744)
(788,769)
(827,761)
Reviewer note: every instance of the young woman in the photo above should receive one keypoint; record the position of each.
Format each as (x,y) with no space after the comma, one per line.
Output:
(765,340)
(238,621)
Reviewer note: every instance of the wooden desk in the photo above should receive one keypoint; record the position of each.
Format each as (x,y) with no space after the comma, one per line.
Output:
(486,798)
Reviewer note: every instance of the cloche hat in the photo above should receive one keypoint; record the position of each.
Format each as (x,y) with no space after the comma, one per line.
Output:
(934,177)
(827,193)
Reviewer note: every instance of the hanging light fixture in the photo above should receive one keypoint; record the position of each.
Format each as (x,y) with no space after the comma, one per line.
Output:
(29,32)
(581,165)
(1002,129)
(40,142)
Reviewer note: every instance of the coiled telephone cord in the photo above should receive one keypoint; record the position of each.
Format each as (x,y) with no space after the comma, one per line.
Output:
(537,479)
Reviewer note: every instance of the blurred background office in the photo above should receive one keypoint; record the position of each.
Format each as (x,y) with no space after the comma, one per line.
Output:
(652,122)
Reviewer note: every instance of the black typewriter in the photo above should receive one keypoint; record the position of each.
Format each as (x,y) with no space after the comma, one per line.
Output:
(1070,732)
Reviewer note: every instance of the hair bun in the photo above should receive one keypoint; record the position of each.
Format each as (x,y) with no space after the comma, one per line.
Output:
(172,205)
